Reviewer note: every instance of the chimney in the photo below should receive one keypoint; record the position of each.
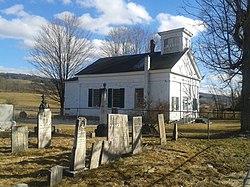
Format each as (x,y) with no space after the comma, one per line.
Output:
(152,46)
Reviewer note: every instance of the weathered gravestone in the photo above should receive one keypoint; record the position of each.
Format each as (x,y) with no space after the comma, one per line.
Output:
(118,134)
(44,125)
(95,155)
(136,135)
(44,128)
(21,185)
(55,175)
(162,129)
(78,155)
(105,153)
(117,142)
(6,116)
(246,181)
(19,138)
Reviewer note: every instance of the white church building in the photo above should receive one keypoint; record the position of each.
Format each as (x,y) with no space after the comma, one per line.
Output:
(141,81)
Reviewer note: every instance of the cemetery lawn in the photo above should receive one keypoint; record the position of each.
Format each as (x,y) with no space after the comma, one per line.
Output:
(24,99)
(192,160)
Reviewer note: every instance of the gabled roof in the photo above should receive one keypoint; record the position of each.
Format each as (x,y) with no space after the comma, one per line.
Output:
(131,63)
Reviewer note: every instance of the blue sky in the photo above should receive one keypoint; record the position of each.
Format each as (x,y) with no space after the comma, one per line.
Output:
(20,21)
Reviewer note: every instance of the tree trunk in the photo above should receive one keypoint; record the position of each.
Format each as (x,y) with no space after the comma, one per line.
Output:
(61,110)
(245,101)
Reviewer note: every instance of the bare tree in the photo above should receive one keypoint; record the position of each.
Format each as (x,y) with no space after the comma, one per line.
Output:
(225,45)
(59,52)
(126,41)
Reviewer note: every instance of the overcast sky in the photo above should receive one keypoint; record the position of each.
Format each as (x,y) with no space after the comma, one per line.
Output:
(20,21)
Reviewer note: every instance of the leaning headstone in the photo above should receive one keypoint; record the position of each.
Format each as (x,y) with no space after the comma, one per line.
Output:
(44,125)
(6,116)
(55,175)
(103,106)
(118,134)
(175,132)
(95,155)
(21,185)
(246,182)
(105,153)
(78,155)
(19,138)
(136,135)
(162,129)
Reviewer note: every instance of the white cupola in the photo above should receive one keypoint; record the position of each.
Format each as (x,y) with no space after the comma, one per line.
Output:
(175,40)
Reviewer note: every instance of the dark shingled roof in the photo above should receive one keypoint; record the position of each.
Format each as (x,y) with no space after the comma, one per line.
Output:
(131,63)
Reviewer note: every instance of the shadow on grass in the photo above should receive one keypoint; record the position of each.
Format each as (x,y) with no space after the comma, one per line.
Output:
(39,178)
(5,149)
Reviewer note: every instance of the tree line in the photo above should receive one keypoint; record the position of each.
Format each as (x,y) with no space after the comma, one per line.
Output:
(13,82)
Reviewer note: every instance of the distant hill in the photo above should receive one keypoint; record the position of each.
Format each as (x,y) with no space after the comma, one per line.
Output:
(20,82)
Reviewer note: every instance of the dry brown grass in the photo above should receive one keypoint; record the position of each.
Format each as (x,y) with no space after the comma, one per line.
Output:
(190,161)
(23,99)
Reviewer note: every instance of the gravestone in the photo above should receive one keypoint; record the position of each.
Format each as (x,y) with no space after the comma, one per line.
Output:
(55,175)
(246,181)
(162,129)
(6,116)
(44,128)
(21,185)
(105,153)
(78,155)
(44,125)
(136,135)
(175,132)
(95,155)
(103,106)
(19,138)
(118,134)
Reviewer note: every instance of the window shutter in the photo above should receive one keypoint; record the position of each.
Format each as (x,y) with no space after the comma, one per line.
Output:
(177,104)
(122,97)
(195,104)
(109,98)
(90,98)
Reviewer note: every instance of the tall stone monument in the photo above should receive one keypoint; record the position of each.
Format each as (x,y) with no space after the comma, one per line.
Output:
(78,155)
(19,138)
(103,106)
(44,125)
(6,116)
(102,128)
(137,134)
(162,129)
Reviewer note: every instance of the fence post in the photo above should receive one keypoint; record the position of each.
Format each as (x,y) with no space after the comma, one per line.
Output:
(208,129)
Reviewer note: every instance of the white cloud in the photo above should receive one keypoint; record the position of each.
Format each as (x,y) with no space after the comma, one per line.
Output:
(112,13)
(63,14)
(15,10)
(168,22)
(24,27)
(66,2)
